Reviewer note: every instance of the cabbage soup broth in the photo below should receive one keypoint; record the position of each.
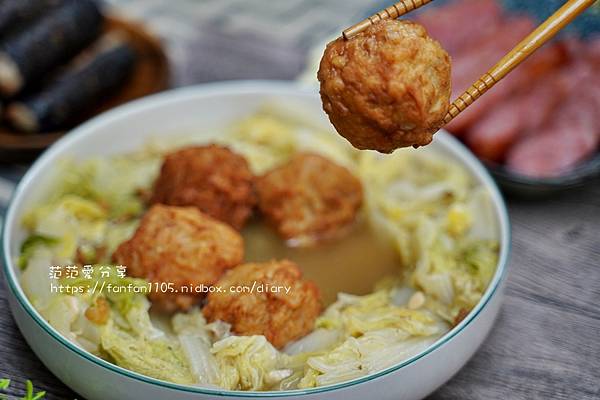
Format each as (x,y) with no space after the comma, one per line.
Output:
(418,258)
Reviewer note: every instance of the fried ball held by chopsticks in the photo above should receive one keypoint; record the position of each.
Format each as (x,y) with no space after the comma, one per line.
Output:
(387,87)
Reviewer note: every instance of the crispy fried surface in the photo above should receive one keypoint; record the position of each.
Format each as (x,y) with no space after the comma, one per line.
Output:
(309,199)
(387,87)
(183,246)
(211,178)
(281,317)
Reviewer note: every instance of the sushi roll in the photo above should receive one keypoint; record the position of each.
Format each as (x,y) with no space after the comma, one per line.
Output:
(30,54)
(93,76)
(15,14)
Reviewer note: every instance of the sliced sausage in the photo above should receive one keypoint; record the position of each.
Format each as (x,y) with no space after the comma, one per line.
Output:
(497,130)
(572,136)
(544,61)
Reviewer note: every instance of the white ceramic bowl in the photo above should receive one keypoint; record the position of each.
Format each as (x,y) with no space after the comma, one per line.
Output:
(127,128)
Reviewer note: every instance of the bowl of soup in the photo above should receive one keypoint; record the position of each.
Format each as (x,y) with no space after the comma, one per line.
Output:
(223,241)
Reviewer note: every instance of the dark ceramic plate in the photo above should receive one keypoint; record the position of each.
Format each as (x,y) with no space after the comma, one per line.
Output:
(587,172)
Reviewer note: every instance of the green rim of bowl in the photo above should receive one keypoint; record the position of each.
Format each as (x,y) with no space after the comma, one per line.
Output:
(235,87)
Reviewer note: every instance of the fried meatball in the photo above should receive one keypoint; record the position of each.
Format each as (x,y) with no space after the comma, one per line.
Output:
(182,246)
(212,178)
(387,87)
(249,302)
(309,199)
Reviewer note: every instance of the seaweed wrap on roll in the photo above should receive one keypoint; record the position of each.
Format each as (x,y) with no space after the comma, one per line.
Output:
(16,14)
(94,75)
(30,54)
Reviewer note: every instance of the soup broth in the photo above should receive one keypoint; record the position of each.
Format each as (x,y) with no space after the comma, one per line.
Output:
(352,264)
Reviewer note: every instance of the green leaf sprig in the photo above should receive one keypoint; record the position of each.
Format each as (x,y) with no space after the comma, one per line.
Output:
(30,394)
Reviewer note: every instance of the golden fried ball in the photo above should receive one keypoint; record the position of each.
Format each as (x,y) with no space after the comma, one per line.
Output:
(248,301)
(309,199)
(387,87)
(182,246)
(212,178)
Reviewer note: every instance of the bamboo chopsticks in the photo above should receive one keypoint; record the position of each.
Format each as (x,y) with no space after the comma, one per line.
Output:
(392,12)
(543,33)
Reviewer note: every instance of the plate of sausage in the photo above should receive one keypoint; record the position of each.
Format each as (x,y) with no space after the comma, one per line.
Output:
(538,130)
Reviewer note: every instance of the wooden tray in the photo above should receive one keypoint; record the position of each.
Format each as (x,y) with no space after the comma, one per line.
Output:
(150,75)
